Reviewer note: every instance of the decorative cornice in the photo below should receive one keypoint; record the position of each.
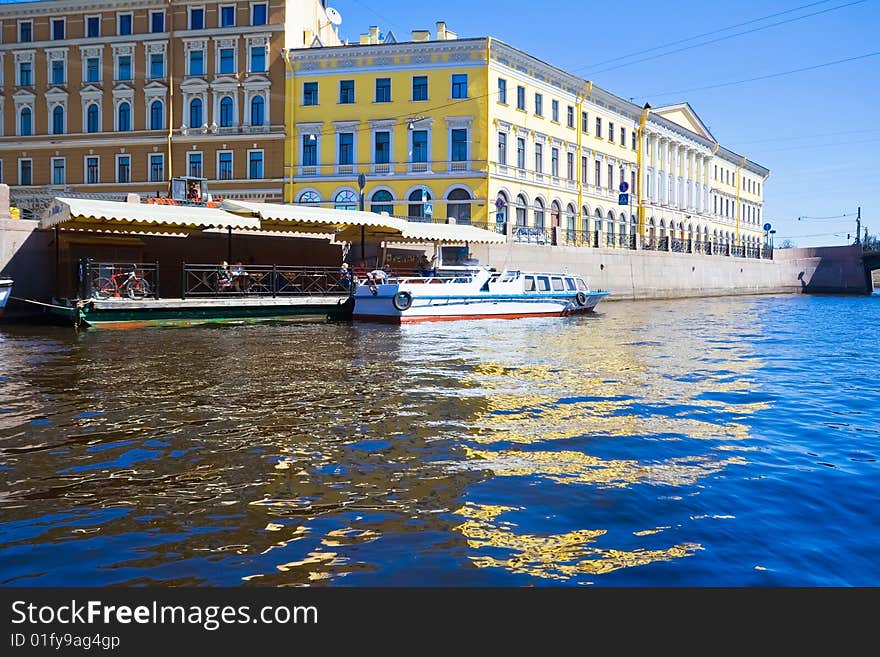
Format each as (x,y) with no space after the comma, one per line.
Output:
(432,54)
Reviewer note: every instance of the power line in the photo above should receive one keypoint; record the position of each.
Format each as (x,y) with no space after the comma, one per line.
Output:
(809,136)
(766,77)
(700,36)
(834,217)
(731,36)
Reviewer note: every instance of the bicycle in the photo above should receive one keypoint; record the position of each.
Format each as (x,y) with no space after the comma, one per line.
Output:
(121,284)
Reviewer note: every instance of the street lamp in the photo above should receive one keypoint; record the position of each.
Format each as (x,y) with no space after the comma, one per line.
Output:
(772,233)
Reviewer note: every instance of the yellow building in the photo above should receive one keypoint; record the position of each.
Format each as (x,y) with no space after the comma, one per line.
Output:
(476,130)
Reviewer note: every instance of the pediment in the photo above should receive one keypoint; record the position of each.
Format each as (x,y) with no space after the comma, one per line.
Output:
(24,96)
(684,115)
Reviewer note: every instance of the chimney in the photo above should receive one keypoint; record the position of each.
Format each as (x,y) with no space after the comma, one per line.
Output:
(374,34)
(441,31)
(421,35)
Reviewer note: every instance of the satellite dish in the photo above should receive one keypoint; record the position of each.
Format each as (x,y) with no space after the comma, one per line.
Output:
(333,16)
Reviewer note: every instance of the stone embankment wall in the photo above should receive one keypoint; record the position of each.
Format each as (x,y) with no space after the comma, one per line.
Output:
(826,269)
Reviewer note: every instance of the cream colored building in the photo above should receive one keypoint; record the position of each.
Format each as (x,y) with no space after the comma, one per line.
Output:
(479,131)
(105,97)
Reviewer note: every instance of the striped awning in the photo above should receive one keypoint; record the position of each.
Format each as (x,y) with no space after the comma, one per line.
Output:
(124,217)
(447,233)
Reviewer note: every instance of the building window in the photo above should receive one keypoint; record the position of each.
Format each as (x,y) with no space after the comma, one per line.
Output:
(226,113)
(346,200)
(599,127)
(309,198)
(502,148)
(310,93)
(123,25)
(58,25)
(58,120)
(259,14)
(569,117)
(521,98)
(554,110)
(585,168)
(417,199)
(194,164)
(25,172)
(123,118)
(539,213)
(569,165)
(382,202)
(520,153)
(93,118)
(227,60)
(521,204)
(346,92)
(539,157)
(156,115)
(554,162)
(227,16)
(611,132)
(123,67)
(92,175)
(157,167)
(419,145)
(258,59)
(585,122)
(57,72)
(459,85)
(224,165)
(93,27)
(623,136)
(255,165)
(346,148)
(25,74)
(258,114)
(459,141)
(632,182)
(157,21)
(610,176)
(195,113)
(382,147)
(539,104)
(196,62)
(93,69)
(598,174)
(196,18)
(502,91)
(157,65)
(634,140)
(383,90)
(25,122)
(458,206)
(123,168)
(309,151)
(420,87)
(25,31)
(58,176)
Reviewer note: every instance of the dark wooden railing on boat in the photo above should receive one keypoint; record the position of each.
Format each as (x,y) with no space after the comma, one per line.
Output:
(262,281)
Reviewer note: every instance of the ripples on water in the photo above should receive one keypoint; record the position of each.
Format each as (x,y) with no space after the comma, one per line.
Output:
(701,442)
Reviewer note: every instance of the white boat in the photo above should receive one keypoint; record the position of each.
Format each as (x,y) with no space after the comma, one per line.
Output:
(5,291)
(478,293)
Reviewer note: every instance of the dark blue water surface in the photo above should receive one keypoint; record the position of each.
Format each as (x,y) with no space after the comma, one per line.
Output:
(705,442)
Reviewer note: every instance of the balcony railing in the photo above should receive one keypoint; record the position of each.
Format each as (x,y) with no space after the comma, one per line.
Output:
(532,235)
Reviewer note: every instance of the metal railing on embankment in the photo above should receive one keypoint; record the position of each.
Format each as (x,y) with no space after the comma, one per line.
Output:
(261,281)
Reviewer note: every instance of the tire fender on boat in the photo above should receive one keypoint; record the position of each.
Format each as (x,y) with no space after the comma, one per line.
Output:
(581,299)
(402,300)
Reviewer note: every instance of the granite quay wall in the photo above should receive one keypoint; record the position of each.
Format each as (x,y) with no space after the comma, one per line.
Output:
(827,269)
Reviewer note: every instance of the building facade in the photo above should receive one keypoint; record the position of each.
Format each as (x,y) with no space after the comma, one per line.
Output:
(476,130)
(105,97)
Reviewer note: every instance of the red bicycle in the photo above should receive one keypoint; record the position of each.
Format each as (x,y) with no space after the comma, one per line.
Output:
(122,284)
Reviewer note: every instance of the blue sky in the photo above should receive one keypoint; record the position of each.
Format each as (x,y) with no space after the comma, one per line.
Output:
(815,130)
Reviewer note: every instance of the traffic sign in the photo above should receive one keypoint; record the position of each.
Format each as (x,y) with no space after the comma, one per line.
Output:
(767,227)
(499,217)
(623,199)
(624,187)
(499,202)
(429,209)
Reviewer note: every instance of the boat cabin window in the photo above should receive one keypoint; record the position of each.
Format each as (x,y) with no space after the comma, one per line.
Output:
(557,284)
(569,284)
(581,285)
(530,284)
(543,283)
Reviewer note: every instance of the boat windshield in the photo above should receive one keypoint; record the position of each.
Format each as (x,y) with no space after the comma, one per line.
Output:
(582,286)
(570,284)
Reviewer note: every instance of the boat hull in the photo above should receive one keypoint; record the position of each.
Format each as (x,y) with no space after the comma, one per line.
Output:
(5,292)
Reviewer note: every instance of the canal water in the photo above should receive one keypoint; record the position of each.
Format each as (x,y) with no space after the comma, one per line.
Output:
(705,442)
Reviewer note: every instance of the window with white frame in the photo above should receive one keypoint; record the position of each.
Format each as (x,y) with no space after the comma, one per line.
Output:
(124,24)
(25,171)
(196,18)
(25,31)
(156,164)
(92,27)
(157,21)
(255,165)
(58,29)
(194,164)
(59,165)
(259,13)
(123,168)
(224,165)
(226,16)
(539,157)
(92,170)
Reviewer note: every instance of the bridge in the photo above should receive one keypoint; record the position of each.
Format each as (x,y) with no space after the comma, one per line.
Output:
(831,269)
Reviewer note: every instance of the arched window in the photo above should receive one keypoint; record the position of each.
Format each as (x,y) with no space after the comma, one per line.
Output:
(156,115)
(226,112)
(257,113)
(25,122)
(195,113)
(93,121)
(585,219)
(570,218)
(123,118)
(416,208)
(382,202)
(539,213)
(555,211)
(597,224)
(309,198)
(346,200)
(458,206)
(521,205)
(610,229)
(58,120)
